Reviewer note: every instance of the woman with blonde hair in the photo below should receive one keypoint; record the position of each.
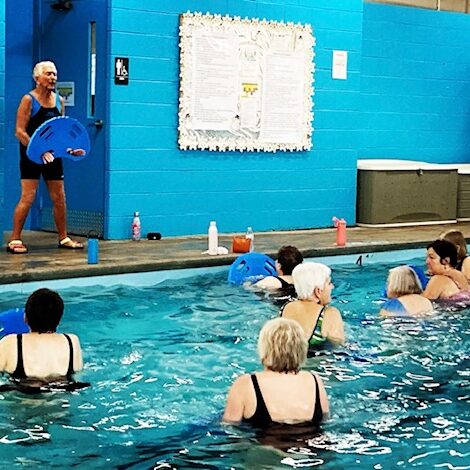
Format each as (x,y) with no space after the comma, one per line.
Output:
(404,291)
(281,393)
(463,260)
(319,321)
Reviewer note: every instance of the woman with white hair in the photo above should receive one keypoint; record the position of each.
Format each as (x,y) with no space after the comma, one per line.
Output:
(319,321)
(404,291)
(281,393)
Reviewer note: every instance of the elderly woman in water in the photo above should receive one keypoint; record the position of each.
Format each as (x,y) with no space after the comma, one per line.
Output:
(281,392)
(320,321)
(404,292)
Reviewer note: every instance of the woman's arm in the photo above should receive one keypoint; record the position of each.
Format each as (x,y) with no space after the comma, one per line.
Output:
(333,326)
(23,115)
(434,288)
(235,406)
(77,356)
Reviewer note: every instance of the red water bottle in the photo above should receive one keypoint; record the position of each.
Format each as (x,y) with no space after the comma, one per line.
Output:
(340,225)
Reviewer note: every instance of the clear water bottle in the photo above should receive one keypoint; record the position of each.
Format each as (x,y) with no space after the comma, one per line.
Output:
(135,227)
(213,237)
(250,235)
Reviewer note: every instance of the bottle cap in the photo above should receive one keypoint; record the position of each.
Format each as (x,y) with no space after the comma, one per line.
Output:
(212,222)
(136,214)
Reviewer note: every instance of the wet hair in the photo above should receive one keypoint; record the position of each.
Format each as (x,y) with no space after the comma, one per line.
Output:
(282,345)
(40,66)
(457,238)
(403,280)
(289,257)
(445,249)
(308,276)
(43,311)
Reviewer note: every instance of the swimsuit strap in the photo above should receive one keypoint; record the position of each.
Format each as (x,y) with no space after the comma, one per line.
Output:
(317,412)
(316,332)
(284,306)
(284,284)
(70,367)
(19,372)
(261,413)
(35,105)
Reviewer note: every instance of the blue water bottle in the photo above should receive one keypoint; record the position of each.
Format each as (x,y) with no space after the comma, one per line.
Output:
(93,247)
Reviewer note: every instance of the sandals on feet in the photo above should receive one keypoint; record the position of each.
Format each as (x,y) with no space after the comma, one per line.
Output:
(16,247)
(69,244)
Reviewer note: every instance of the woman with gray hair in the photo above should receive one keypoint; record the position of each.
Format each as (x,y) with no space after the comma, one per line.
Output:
(281,393)
(319,321)
(404,291)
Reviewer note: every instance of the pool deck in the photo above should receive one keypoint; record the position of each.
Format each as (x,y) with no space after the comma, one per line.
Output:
(45,261)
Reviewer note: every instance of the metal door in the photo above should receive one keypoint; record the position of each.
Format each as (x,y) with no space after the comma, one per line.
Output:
(73,35)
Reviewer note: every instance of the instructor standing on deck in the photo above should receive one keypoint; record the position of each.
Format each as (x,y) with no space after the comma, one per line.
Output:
(36,107)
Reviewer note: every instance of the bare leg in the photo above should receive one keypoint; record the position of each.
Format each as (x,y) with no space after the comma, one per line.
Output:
(28,193)
(57,194)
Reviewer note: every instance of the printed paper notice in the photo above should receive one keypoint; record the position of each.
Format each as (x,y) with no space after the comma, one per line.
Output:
(283,94)
(339,69)
(67,91)
(214,82)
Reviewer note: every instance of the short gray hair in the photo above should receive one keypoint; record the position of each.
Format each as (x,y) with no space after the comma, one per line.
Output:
(282,345)
(403,280)
(309,276)
(40,66)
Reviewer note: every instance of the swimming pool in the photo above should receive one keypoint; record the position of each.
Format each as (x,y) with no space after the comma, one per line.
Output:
(161,359)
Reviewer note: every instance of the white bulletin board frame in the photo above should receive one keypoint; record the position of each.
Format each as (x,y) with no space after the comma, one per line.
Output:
(245,84)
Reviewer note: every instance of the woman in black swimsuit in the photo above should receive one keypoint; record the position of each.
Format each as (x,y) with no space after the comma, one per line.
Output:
(42,356)
(281,393)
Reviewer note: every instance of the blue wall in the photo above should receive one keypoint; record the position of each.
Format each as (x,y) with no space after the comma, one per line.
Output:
(2,118)
(415,84)
(18,81)
(180,192)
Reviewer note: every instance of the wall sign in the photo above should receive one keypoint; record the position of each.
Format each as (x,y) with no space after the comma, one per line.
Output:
(67,91)
(339,69)
(245,84)
(121,70)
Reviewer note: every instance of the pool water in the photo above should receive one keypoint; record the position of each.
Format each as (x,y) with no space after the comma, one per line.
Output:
(162,358)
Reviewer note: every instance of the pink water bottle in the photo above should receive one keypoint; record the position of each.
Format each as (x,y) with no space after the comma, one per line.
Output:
(340,225)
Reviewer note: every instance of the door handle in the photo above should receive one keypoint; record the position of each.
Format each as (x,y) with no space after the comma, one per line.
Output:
(99,123)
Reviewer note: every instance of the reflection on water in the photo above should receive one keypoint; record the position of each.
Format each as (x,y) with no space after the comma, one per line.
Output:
(160,360)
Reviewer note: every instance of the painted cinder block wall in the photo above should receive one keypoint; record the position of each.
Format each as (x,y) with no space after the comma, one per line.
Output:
(179,192)
(2,117)
(415,84)
(19,61)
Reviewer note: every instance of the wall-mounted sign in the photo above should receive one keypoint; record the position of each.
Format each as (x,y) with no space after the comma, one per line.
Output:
(246,84)
(67,91)
(339,69)
(121,70)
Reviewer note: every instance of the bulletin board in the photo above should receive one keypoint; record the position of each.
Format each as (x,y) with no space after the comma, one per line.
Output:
(245,84)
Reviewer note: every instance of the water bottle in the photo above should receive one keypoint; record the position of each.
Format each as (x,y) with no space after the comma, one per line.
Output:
(213,238)
(340,225)
(93,247)
(136,227)
(250,236)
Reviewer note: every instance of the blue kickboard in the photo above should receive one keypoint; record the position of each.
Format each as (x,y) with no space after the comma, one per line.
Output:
(251,267)
(57,135)
(12,321)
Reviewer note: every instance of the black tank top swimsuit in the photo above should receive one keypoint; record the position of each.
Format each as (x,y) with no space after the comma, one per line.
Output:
(19,373)
(262,418)
(21,382)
